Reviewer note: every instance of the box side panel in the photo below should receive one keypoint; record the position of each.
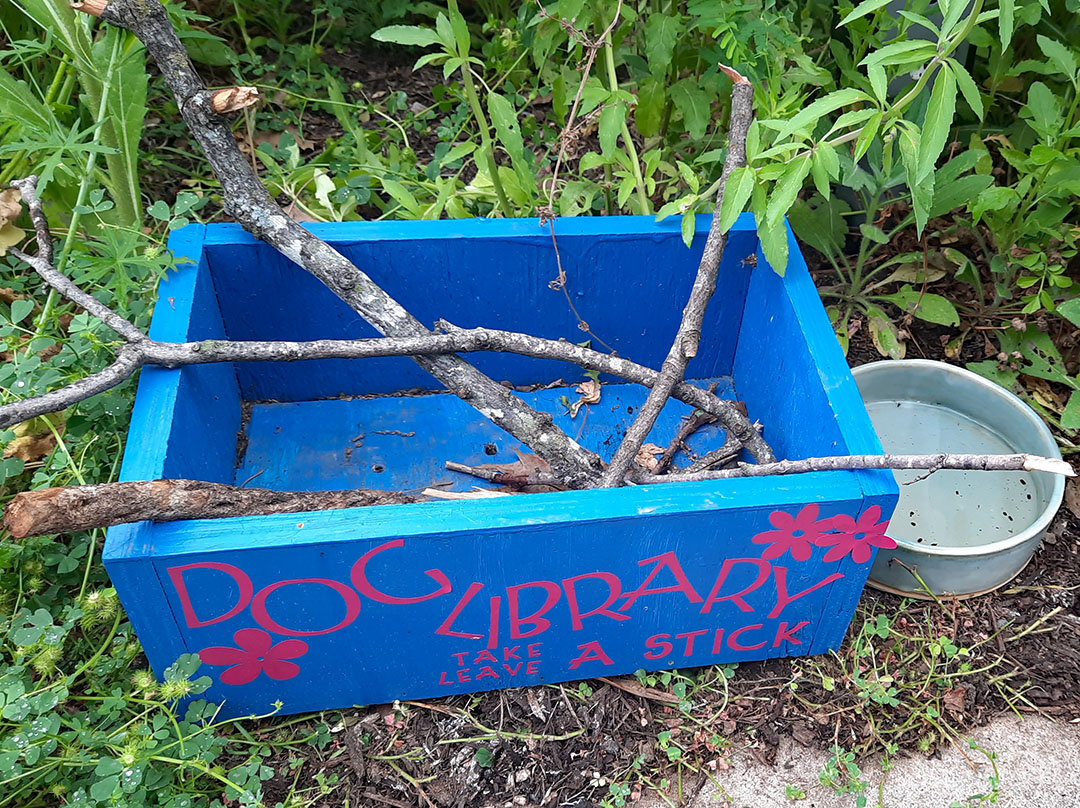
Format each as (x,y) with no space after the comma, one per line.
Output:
(132,572)
(628,280)
(345,616)
(817,411)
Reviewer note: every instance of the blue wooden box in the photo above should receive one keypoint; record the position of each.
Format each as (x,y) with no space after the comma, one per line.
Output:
(330,609)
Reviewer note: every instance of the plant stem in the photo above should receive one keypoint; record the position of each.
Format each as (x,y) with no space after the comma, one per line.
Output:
(487,146)
(613,83)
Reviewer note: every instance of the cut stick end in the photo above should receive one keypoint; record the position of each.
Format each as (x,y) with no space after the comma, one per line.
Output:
(1036,463)
(95,8)
(733,74)
(233,99)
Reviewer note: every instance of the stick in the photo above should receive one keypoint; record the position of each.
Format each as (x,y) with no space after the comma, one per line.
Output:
(726,453)
(685,346)
(691,424)
(142,350)
(974,462)
(246,200)
(83,507)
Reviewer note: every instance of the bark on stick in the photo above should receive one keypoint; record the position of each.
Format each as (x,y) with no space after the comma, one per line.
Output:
(246,200)
(83,507)
(685,346)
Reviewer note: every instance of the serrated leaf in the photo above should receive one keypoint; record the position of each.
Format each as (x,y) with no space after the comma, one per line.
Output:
(649,110)
(823,106)
(661,35)
(786,190)
(1006,13)
(866,137)
(774,244)
(611,121)
(967,86)
(736,194)
(874,233)
(821,224)
(414,35)
(939,118)
(693,102)
(19,104)
(1060,56)
(950,195)
(994,199)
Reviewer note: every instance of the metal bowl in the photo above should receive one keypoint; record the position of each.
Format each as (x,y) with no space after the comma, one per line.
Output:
(964,532)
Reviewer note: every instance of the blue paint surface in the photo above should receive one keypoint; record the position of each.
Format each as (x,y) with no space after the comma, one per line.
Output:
(456,596)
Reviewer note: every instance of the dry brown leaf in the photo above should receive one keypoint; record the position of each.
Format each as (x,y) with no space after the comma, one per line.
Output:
(1072,496)
(526,465)
(10,205)
(954,700)
(646,456)
(590,394)
(29,448)
(635,688)
(10,235)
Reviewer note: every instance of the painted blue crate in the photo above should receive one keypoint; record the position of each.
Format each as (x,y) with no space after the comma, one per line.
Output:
(329,609)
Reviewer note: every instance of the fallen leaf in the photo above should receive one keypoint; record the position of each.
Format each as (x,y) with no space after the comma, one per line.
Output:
(298,214)
(646,456)
(635,688)
(10,235)
(31,447)
(10,205)
(590,394)
(525,465)
(1072,496)
(954,700)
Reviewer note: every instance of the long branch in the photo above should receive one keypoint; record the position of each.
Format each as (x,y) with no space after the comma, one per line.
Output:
(82,507)
(181,354)
(685,346)
(246,200)
(930,462)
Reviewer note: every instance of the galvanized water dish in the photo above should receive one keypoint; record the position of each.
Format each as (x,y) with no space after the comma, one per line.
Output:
(965,532)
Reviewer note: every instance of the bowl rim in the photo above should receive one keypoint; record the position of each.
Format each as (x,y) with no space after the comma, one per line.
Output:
(986,387)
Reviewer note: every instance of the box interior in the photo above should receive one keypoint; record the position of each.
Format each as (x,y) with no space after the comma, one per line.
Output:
(338,423)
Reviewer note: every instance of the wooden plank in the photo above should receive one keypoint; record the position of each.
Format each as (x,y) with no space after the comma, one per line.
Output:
(629,279)
(401,443)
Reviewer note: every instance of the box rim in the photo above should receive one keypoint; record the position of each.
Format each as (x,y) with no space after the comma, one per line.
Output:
(157,392)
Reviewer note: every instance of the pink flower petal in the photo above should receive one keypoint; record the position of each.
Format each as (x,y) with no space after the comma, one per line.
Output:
(253,640)
(773,551)
(221,655)
(279,670)
(288,649)
(861,553)
(770,537)
(882,541)
(241,674)
(827,539)
(836,553)
(801,551)
(843,523)
(782,520)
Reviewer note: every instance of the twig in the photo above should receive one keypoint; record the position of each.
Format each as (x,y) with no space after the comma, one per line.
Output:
(1053,612)
(141,350)
(974,462)
(502,478)
(685,346)
(246,200)
(726,453)
(83,507)
(691,424)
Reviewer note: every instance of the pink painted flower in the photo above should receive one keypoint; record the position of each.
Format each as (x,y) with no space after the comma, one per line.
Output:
(856,537)
(796,534)
(256,654)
